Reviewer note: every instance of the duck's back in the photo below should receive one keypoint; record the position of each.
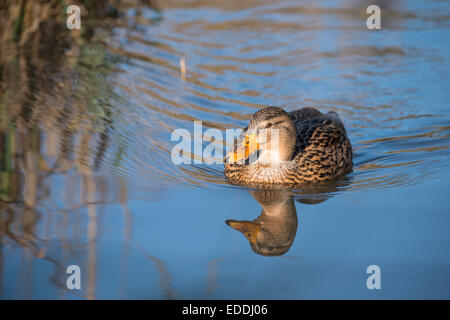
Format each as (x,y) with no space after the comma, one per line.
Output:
(323,149)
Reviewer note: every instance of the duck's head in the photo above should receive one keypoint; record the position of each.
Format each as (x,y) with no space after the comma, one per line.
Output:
(269,138)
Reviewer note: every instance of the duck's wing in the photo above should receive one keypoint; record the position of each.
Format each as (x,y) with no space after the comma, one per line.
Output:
(314,127)
(336,119)
(309,112)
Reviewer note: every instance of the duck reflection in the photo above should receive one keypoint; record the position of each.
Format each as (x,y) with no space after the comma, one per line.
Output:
(273,232)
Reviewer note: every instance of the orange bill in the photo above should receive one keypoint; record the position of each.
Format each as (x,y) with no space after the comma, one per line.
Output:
(244,150)
(249,229)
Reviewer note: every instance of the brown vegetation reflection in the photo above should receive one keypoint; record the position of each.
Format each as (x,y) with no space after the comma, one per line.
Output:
(56,121)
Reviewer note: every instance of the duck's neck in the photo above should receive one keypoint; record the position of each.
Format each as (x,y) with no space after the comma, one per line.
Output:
(275,156)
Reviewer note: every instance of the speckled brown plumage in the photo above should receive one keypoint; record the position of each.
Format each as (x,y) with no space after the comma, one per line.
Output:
(322,151)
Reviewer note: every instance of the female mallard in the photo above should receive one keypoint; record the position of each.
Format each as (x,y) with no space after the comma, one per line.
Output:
(280,148)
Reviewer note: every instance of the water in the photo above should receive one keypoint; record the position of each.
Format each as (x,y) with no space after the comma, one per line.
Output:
(86,170)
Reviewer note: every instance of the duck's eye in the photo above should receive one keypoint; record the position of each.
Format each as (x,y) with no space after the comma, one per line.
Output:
(268,125)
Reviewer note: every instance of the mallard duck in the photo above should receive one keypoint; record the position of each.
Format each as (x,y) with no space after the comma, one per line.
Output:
(280,148)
